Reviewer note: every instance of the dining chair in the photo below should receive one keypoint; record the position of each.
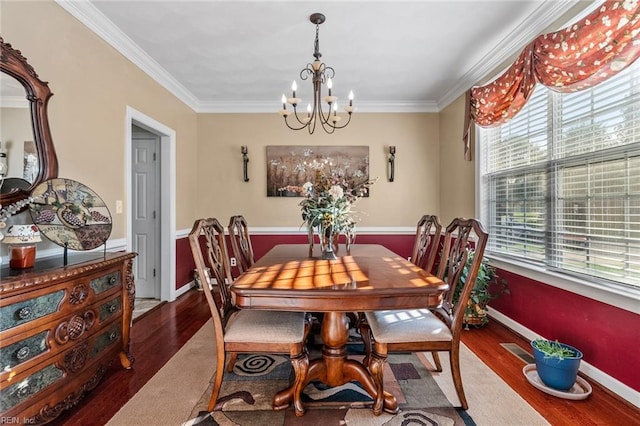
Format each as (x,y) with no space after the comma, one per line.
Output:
(248,330)
(241,242)
(426,243)
(420,329)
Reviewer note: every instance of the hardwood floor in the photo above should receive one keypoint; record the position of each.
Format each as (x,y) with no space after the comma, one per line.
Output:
(157,336)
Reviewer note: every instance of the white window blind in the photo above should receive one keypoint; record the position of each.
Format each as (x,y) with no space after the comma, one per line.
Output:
(560,182)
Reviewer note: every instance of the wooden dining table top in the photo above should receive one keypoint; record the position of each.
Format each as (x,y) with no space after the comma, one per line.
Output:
(372,277)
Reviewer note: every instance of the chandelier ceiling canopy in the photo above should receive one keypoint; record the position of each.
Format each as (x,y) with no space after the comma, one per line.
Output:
(321,75)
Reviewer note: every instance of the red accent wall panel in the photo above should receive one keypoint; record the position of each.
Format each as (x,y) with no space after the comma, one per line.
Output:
(607,336)
(184,263)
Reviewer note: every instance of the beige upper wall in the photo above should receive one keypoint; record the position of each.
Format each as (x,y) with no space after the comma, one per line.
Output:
(92,85)
(415,191)
(457,186)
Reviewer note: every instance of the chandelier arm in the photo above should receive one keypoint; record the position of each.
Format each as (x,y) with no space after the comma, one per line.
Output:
(343,126)
(291,127)
(303,121)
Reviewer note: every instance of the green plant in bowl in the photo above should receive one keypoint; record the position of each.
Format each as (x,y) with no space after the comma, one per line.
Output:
(554,349)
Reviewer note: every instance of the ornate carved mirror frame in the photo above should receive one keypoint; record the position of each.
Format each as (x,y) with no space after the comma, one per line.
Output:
(37,93)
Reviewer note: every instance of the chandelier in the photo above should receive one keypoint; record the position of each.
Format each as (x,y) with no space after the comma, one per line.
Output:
(321,75)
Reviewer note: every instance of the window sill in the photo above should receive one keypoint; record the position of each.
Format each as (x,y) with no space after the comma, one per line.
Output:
(619,296)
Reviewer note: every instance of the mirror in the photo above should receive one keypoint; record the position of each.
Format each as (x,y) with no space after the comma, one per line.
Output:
(26,147)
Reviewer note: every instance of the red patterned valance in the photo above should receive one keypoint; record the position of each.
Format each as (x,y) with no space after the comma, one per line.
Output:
(575,58)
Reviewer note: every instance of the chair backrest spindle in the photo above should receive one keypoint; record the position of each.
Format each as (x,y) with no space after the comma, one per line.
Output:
(427,240)
(241,242)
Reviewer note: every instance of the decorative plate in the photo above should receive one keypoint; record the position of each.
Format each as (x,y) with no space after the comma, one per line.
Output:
(580,390)
(70,214)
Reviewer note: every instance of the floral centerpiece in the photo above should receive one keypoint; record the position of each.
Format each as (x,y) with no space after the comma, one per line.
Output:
(327,207)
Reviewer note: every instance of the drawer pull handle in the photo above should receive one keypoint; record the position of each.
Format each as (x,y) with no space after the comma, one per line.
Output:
(24,313)
(112,308)
(23,391)
(112,280)
(23,353)
(113,336)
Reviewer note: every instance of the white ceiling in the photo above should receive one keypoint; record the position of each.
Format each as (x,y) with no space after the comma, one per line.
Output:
(241,56)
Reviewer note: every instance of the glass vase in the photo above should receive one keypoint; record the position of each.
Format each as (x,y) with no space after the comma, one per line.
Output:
(328,239)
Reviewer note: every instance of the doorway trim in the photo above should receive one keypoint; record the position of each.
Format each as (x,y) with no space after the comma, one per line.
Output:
(167,196)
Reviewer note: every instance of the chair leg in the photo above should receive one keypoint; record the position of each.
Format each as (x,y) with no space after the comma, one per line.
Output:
(300,365)
(365,333)
(233,357)
(217,384)
(454,358)
(436,361)
(376,368)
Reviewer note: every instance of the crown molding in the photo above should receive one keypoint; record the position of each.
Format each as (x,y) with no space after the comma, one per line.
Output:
(546,14)
(235,107)
(92,18)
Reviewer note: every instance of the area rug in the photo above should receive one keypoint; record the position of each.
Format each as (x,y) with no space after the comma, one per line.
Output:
(181,390)
(247,392)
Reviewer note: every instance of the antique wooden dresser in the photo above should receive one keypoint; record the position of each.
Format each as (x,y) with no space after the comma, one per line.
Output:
(60,329)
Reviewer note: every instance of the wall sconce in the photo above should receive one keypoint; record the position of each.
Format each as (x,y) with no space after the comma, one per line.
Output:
(245,161)
(392,162)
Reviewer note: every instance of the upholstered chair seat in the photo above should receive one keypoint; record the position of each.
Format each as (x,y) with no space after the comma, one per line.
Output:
(415,325)
(265,327)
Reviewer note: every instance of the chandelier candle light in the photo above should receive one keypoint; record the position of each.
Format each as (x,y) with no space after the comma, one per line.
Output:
(321,75)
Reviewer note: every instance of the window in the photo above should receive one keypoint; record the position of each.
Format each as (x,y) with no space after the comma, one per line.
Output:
(560,182)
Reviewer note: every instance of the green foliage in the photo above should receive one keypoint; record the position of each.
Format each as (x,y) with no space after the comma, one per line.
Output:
(488,286)
(553,349)
(328,203)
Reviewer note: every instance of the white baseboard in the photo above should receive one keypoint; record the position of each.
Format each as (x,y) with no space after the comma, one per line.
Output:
(611,383)
(185,288)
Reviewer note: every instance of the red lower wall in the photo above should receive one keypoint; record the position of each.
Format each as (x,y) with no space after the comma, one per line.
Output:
(606,335)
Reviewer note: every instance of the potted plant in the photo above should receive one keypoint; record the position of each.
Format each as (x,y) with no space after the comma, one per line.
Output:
(488,286)
(557,363)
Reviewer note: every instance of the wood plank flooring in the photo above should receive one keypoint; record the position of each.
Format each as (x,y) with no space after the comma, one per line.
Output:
(157,336)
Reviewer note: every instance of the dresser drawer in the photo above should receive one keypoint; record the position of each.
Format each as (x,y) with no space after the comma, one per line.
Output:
(29,310)
(106,282)
(23,351)
(20,313)
(48,339)
(62,367)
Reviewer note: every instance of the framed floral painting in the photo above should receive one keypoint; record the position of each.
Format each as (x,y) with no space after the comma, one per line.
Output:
(289,167)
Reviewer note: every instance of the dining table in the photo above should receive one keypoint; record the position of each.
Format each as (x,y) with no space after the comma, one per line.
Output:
(368,278)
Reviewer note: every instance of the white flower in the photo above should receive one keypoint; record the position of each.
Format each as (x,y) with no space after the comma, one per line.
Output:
(629,4)
(336,192)
(307,188)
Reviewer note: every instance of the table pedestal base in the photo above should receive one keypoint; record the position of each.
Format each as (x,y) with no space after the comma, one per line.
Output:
(334,368)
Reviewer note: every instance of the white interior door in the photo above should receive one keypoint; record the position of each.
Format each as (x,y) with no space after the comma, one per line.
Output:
(146,211)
